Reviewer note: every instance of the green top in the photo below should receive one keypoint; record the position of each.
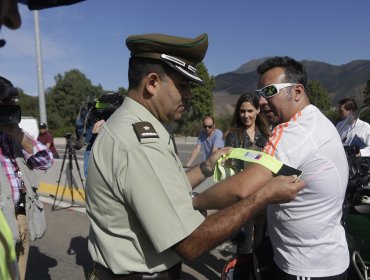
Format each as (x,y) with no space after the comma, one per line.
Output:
(137,194)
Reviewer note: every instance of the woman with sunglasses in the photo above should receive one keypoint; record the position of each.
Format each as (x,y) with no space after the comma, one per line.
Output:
(249,130)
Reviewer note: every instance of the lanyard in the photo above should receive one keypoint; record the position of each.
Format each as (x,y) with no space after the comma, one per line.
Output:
(271,163)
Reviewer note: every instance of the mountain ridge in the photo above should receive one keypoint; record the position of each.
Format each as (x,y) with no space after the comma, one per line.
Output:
(341,81)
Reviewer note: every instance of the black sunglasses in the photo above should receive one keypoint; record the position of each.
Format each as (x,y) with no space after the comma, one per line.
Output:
(208,126)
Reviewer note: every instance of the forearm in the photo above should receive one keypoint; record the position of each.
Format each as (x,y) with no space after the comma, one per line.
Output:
(218,227)
(221,225)
(234,188)
(16,133)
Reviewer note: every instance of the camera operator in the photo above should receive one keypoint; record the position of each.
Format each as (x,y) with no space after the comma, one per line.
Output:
(19,155)
(90,120)
(353,131)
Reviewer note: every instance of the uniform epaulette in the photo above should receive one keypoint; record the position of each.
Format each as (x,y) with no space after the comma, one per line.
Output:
(144,130)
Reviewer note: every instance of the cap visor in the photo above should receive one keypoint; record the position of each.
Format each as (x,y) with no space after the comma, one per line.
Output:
(186,73)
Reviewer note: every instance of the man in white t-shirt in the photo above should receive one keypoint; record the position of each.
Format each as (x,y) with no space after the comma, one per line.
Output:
(353,131)
(306,234)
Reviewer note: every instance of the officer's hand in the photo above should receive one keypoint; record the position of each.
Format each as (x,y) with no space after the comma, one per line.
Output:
(211,161)
(283,189)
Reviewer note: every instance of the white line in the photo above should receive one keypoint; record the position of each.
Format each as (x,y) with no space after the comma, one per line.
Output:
(63,204)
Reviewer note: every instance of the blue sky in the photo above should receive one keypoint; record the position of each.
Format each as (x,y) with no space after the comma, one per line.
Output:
(90,36)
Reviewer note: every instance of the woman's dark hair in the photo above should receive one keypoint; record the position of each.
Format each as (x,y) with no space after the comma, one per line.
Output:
(261,121)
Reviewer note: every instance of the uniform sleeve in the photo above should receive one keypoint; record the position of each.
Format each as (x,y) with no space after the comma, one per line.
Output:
(158,193)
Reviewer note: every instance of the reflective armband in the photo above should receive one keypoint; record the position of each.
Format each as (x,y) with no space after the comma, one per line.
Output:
(271,163)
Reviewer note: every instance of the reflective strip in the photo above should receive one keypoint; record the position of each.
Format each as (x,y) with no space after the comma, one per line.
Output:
(271,163)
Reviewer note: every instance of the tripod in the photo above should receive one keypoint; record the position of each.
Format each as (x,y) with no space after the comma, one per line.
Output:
(71,152)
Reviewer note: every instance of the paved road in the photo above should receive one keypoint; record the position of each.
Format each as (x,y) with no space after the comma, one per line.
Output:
(62,253)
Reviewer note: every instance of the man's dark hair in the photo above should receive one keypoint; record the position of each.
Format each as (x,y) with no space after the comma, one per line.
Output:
(294,71)
(139,67)
(349,104)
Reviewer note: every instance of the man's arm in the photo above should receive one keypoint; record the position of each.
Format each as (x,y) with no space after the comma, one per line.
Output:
(196,176)
(233,188)
(219,142)
(219,226)
(194,154)
(365,152)
(35,153)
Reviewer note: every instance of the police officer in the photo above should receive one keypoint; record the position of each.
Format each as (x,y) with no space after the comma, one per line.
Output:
(142,219)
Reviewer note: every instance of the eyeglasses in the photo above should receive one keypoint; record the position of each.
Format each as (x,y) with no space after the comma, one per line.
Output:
(273,89)
(208,126)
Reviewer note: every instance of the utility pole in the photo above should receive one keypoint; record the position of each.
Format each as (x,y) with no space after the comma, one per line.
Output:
(40,79)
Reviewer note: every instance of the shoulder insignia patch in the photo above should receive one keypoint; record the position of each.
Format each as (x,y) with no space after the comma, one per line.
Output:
(144,130)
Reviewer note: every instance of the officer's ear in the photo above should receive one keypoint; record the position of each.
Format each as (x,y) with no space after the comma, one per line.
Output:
(151,83)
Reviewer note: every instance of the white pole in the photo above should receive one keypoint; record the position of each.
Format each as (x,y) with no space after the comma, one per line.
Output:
(40,79)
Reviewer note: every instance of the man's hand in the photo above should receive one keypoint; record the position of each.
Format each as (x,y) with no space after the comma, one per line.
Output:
(211,161)
(283,189)
(97,126)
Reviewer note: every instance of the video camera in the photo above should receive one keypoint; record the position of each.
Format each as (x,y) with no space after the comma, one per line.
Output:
(105,106)
(91,112)
(10,111)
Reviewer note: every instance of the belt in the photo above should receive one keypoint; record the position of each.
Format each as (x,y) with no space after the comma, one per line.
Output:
(103,273)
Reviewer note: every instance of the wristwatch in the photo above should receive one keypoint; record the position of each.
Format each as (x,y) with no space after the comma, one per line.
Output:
(205,170)
(193,195)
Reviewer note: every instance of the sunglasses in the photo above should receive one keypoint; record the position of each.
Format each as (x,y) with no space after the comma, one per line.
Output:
(273,89)
(208,126)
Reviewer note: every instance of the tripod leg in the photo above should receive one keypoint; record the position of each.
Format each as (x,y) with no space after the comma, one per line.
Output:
(60,176)
(78,169)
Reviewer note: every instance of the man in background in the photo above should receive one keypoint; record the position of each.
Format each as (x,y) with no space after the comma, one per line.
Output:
(210,140)
(46,138)
(352,130)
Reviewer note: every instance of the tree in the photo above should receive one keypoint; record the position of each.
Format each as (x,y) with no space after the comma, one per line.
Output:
(29,104)
(366,93)
(318,95)
(200,105)
(65,98)
(122,91)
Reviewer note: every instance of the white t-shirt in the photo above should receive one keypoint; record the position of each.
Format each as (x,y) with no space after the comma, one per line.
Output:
(361,129)
(306,234)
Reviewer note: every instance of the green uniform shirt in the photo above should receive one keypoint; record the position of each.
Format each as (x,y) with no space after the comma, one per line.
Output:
(137,196)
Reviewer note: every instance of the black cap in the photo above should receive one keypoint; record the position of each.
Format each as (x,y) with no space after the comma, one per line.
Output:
(42,125)
(182,54)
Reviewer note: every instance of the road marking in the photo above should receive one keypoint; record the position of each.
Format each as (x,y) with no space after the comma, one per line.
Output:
(62,204)
(64,192)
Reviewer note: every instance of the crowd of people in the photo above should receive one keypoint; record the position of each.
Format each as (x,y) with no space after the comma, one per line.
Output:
(143,227)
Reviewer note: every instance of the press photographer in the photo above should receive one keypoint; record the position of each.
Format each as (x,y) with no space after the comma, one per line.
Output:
(20,154)
(91,118)
(10,111)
